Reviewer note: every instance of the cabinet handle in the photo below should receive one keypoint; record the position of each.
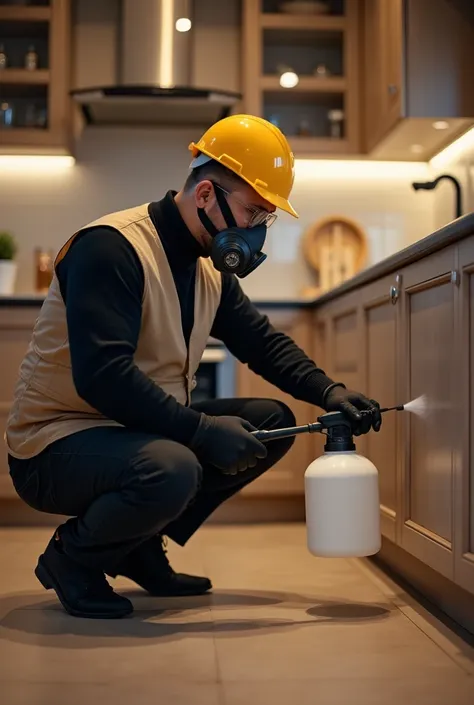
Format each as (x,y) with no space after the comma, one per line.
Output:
(392,89)
(395,290)
(455,279)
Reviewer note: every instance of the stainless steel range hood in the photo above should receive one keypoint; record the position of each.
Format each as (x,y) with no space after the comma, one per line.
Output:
(154,87)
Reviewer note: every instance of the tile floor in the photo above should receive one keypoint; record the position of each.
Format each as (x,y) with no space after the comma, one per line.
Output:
(280,627)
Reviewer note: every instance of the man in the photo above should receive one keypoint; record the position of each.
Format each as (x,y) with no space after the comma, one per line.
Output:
(102,428)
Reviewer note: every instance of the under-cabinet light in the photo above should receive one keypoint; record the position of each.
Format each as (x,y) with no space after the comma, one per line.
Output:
(357,169)
(27,163)
(454,150)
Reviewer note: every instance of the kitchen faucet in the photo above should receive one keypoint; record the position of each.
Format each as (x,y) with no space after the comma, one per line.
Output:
(429,185)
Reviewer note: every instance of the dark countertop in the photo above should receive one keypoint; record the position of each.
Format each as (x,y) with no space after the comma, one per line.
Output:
(452,232)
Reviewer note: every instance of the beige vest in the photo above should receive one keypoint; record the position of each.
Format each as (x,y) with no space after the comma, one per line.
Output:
(46,406)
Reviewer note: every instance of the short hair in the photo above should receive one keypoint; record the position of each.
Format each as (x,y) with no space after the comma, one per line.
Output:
(211,170)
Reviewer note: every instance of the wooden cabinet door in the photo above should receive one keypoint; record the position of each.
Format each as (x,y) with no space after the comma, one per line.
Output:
(16,325)
(287,476)
(337,341)
(379,356)
(427,440)
(383,68)
(464,458)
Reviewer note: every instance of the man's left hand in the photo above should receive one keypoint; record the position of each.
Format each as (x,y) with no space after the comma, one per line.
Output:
(350,403)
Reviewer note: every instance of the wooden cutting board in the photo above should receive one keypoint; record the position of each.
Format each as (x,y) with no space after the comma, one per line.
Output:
(336,249)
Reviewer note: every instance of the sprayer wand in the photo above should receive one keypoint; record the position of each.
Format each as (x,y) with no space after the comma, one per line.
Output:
(326,421)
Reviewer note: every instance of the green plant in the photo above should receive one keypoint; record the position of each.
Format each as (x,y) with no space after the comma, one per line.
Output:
(8,246)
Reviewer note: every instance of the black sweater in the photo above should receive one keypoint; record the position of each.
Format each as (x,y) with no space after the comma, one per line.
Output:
(101,281)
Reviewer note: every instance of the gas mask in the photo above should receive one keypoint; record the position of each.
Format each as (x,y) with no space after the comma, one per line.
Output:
(234,250)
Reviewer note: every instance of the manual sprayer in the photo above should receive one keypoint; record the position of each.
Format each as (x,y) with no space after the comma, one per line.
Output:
(341,489)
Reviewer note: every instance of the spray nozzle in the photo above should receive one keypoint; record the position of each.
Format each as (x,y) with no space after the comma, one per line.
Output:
(336,423)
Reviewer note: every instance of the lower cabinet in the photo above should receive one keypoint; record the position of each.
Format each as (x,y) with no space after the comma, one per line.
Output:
(427,442)
(404,337)
(287,476)
(463,421)
(16,325)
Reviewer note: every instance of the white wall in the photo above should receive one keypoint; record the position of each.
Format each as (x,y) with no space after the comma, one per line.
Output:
(117,168)
(460,165)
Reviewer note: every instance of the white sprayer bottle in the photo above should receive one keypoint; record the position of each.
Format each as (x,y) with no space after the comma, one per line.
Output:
(341,490)
(342,497)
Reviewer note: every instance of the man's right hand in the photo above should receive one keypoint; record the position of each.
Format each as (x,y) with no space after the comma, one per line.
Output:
(226,443)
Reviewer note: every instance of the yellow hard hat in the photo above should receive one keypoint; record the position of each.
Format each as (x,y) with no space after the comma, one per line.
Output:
(255,150)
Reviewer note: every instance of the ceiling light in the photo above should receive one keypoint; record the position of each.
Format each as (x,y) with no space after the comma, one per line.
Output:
(183,24)
(441,125)
(289,79)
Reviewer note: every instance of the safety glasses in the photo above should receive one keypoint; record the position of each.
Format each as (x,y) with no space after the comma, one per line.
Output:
(258,216)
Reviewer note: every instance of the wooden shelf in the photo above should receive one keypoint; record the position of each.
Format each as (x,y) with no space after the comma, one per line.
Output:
(25,136)
(24,77)
(24,14)
(305,41)
(305,22)
(310,84)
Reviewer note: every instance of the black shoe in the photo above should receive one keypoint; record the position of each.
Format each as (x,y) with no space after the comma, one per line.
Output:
(83,592)
(148,566)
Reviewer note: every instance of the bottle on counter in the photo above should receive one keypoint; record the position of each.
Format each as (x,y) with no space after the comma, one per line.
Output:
(44,269)
(31,58)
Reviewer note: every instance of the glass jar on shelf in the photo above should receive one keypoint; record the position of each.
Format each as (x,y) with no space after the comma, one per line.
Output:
(3,57)
(7,114)
(336,119)
(304,128)
(31,59)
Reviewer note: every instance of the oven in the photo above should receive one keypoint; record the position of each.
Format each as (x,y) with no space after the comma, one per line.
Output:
(215,376)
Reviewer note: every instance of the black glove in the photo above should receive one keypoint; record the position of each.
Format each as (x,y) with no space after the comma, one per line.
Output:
(225,442)
(339,398)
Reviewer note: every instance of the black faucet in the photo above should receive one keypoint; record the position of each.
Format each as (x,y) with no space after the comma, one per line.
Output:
(429,185)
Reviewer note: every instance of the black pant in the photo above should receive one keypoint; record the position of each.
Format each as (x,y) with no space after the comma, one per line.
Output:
(121,487)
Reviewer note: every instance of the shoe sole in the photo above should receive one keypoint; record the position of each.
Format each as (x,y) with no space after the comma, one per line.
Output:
(49,583)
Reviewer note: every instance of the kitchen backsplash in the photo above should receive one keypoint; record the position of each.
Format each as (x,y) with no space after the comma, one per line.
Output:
(460,165)
(116,169)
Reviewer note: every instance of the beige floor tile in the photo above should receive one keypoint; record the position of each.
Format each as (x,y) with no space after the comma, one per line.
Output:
(52,646)
(154,691)
(373,691)
(288,644)
(280,626)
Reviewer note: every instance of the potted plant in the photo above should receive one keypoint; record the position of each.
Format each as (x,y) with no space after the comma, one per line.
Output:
(8,266)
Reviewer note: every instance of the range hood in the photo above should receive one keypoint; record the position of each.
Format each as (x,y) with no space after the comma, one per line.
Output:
(155,69)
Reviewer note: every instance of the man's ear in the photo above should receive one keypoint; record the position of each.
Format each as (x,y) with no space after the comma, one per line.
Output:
(204,194)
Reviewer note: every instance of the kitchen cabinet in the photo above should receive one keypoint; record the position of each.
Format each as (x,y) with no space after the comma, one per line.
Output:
(410,335)
(383,77)
(321,114)
(35,114)
(416,58)
(287,476)
(463,393)
(427,440)
(379,352)
(16,325)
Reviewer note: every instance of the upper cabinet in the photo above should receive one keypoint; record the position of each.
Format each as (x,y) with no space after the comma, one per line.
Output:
(417,57)
(301,71)
(35,54)
(388,79)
